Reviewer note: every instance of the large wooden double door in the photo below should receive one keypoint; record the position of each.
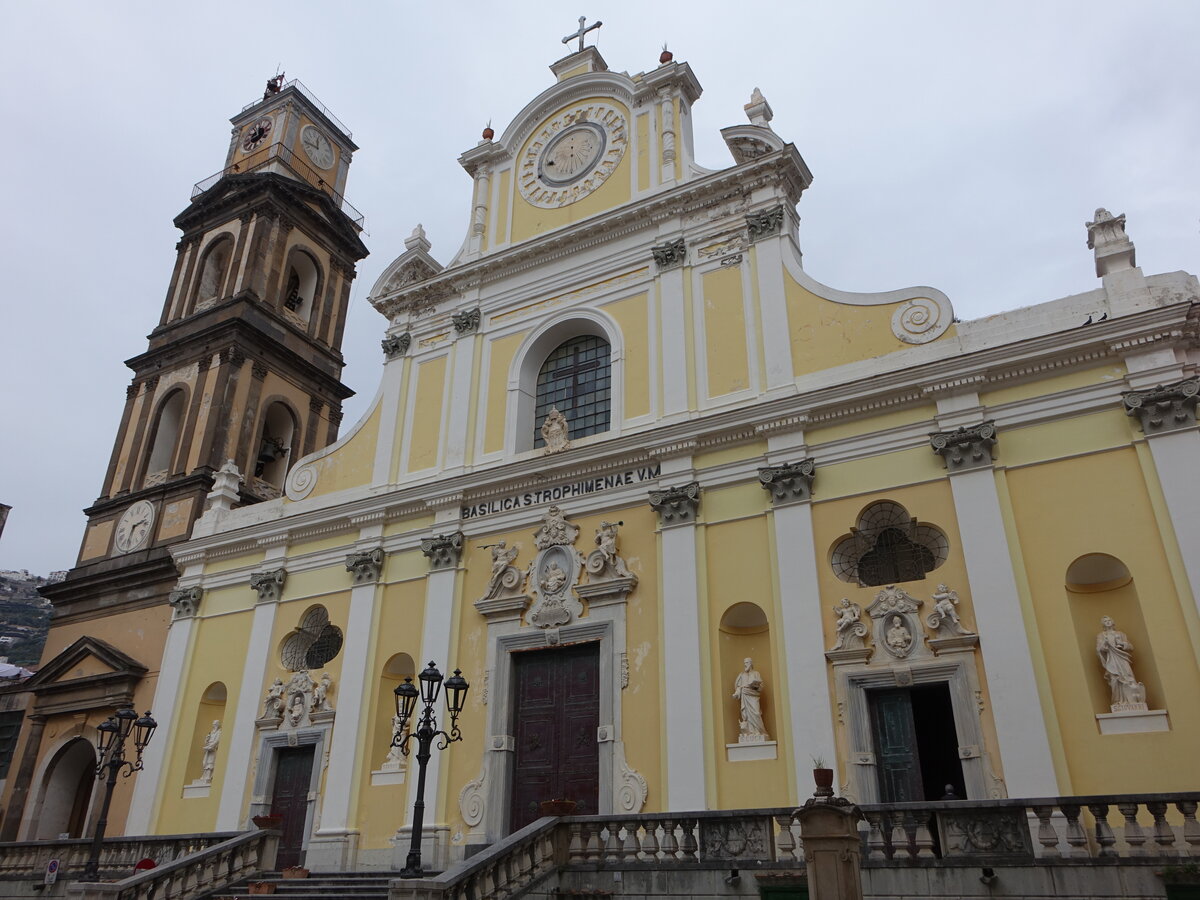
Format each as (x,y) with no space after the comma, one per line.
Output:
(916,744)
(289,799)
(555,717)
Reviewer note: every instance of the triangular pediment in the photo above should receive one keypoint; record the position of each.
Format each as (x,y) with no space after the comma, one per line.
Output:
(87,659)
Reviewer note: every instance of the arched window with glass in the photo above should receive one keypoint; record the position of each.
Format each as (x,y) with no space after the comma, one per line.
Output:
(576,380)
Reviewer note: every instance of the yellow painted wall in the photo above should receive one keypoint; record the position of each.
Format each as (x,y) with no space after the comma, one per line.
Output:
(725,331)
(1098,504)
(502,199)
(427,414)
(631,315)
(877,473)
(643,151)
(502,351)
(351,464)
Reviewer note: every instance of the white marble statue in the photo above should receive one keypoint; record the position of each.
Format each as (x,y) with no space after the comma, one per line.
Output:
(553,579)
(747,690)
(395,757)
(850,628)
(554,431)
(211,741)
(606,541)
(1116,656)
(502,559)
(273,705)
(899,638)
(945,619)
(320,694)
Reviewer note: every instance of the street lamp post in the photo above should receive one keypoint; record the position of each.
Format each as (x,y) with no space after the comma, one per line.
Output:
(112,734)
(425,731)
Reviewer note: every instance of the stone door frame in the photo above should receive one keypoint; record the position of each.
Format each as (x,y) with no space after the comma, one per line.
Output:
(264,774)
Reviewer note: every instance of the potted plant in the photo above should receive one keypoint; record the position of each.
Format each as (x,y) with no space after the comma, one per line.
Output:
(295,872)
(260,887)
(558,807)
(822,776)
(268,821)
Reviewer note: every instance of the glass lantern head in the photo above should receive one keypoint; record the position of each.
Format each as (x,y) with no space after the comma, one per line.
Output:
(456,692)
(431,684)
(106,735)
(125,719)
(406,698)
(143,731)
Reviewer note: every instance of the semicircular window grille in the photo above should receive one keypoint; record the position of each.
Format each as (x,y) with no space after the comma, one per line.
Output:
(313,643)
(888,546)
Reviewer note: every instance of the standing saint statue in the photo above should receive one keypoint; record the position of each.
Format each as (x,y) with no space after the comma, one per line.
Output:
(273,705)
(211,741)
(1116,656)
(747,690)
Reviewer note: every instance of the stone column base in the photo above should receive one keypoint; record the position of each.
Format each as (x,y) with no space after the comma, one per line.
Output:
(435,847)
(332,851)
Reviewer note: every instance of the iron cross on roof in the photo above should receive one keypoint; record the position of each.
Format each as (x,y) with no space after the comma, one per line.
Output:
(581,32)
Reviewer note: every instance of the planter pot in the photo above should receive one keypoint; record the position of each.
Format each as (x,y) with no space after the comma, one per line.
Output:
(295,872)
(260,887)
(824,782)
(558,807)
(265,822)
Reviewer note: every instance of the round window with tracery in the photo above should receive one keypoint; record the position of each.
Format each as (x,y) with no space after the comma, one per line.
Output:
(313,643)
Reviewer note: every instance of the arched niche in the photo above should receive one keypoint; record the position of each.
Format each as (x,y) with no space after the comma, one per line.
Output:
(1099,585)
(301,285)
(164,438)
(276,445)
(398,667)
(211,708)
(213,270)
(66,792)
(745,632)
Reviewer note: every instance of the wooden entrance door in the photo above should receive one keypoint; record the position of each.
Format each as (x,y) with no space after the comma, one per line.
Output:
(289,799)
(555,716)
(916,744)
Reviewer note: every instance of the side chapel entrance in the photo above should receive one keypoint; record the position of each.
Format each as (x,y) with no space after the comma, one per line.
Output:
(916,744)
(556,714)
(289,799)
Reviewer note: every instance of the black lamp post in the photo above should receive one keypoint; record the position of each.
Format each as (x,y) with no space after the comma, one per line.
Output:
(112,734)
(425,732)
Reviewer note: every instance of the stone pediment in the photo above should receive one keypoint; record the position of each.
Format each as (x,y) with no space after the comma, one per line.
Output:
(88,674)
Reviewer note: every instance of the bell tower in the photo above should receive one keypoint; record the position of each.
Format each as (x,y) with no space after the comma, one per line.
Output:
(245,361)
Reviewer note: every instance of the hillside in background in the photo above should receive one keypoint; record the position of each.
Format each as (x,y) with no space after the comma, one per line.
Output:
(24,615)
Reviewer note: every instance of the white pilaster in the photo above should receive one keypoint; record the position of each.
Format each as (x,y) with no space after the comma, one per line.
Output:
(459,408)
(151,781)
(803,646)
(1175,457)
(777,343)
(332,844)
(1015,704)
(686,741)
(674,341)
(390,406)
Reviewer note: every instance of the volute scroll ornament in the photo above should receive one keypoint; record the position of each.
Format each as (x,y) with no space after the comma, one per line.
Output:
(185,602)
(676,505)
(466,322)
(1166,407)
(268,585)
(965,448)
(396,344)
(443,550)
(765,223)
(365,565)
(789,483)
(669,255)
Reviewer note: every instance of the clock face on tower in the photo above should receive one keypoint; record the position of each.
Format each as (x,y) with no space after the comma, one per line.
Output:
(316,147)
(134,527)
(572,154)
(256,134)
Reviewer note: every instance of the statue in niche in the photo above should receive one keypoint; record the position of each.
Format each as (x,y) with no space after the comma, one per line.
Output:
(320,694)
(850,628)
(747,690)
(502,560)
(295,713)
(899,638)
(945,619)
(273,705)
(554,432)
(553,579)
(211,741)
(1116,656)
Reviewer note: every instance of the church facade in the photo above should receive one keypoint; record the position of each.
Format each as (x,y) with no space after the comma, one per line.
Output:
(692,524)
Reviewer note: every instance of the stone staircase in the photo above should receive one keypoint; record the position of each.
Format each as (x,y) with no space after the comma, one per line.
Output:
(317,886)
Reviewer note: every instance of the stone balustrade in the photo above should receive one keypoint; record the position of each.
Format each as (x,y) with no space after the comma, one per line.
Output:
(210,869)
(26,860)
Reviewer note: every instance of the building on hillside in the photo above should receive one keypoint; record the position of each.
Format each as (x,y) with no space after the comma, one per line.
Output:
(245,364)
(688,520)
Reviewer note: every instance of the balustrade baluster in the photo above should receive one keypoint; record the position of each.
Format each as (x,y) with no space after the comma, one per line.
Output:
(630,849)
(575,851)
(924,839)
(612,846)
(1047,836)
(593,841)
(1104,834)
(1075,834)
(1164,835)
(1134,836)
(689,844)
(1191,830)
(670,846)
(876,848)
(785,844)
(650,841)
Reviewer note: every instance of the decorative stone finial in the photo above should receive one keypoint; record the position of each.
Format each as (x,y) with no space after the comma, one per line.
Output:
(666,56)
(488,131)
(759,110)
(1106,236)
(224,491)
(417,240)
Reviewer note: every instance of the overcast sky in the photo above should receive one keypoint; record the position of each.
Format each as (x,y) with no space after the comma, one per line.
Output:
(954,144)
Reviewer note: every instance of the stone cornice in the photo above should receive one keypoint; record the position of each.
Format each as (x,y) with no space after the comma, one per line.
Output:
(782,168)
(864,394)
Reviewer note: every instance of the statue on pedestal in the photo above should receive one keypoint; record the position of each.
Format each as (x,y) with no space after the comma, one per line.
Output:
(1116,656)
(747,690)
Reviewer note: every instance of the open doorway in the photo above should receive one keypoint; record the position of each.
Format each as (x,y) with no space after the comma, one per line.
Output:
(67,792)
(916,744)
